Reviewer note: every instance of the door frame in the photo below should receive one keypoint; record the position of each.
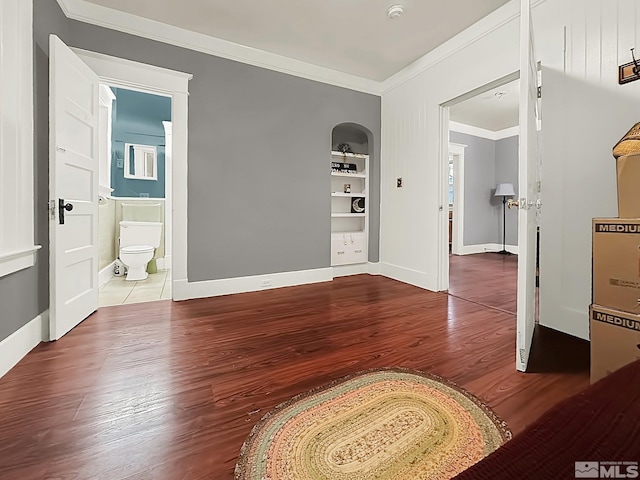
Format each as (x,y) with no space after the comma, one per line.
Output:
(118,72)
(443,174)
(457,241)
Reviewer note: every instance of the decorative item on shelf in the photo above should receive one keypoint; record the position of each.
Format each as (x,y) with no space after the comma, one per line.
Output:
(339,167)
(504,190)
(345,148)
(357,204)
(347,188)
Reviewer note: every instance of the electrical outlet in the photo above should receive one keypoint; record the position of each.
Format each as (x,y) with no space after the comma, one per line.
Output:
(399,182)
(144,195)
(266,283)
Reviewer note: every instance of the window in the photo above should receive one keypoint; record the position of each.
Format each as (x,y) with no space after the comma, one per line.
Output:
(141,162)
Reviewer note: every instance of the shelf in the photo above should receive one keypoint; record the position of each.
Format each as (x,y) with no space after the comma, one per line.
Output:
(352,175)
(352,155)
(347,215)
(340,194)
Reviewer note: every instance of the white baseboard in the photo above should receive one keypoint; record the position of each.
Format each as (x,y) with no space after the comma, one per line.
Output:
(406,275)
(19,343)
(164,263)
(346,270)
(105,274)
(486,247)
(184,290)
(374,268)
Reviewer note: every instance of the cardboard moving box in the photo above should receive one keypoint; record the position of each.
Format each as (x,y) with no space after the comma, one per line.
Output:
(615,340)
(628,186)
(616,263)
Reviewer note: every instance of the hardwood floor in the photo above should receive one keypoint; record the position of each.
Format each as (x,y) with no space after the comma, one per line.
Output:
(170,391)
(486,278)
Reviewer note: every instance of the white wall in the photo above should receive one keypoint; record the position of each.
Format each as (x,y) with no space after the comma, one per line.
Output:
(585,113)
(579,129)
(410,149)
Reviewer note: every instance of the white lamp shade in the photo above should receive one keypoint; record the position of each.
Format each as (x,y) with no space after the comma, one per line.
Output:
(505,190)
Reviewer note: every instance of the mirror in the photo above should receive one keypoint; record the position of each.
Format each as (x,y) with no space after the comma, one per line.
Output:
(140,162)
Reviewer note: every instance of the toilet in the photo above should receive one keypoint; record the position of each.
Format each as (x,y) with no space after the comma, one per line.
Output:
(138,241)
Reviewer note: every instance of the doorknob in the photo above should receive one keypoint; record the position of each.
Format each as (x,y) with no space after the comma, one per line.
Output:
(61,208)
(511,203)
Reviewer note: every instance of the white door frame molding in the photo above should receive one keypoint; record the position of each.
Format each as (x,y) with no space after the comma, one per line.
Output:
(457,243)
(149,78)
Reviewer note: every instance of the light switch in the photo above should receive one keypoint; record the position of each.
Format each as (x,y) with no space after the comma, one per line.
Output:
(120,163)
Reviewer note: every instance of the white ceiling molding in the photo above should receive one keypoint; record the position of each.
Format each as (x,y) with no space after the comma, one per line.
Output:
(483,132)
(94,14)
(124,22)
(475,32)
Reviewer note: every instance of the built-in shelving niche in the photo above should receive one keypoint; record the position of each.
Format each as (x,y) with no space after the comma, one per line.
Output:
(349,225)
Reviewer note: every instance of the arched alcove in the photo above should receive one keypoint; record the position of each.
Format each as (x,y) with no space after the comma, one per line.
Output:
(356,136)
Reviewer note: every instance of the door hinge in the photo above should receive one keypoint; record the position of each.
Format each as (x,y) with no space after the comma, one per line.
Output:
(539,92)
(52,209)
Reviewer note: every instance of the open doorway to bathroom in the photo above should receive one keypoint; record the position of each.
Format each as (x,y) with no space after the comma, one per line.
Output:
(135,196)
(483,172)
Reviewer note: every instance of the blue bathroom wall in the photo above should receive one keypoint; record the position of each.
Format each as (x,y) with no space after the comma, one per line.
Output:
(137,118)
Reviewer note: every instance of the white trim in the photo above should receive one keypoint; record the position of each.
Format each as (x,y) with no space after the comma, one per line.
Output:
(120,72)
(406,275)
(117,71)
(168,190)
(486,248)
(17,345)
(16,137)
(11,262)
(347,270)
(87,12)
(475,32)
(105,274)
(374,268)
(483,132)
(84,11)
(165,262)
(457,150)
(184,290)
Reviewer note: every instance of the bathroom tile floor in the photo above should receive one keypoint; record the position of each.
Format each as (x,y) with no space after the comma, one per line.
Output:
(118,291)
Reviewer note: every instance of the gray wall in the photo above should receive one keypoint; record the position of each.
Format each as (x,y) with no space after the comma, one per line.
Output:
(480,207)
(259,144)
(25,294)
(487,163)
(507,172)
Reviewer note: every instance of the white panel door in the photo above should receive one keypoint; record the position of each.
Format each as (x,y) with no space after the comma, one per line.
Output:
(73,189)
(528,189)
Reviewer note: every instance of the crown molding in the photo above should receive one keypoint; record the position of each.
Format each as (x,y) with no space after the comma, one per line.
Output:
(83,11)
(98,15)
(483,132)
(475,32)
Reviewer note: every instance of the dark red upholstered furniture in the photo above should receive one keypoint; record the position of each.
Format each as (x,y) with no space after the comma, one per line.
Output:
(600,424)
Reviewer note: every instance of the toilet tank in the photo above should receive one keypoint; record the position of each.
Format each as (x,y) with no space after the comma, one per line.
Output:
(140,233)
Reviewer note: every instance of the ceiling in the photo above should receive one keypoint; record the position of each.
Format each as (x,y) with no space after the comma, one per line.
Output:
(488,110)
(352,36)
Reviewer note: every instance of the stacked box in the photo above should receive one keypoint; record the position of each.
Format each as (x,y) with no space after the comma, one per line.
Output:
(615,313)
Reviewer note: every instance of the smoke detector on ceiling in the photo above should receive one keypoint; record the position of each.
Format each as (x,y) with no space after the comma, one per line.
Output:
(395,11)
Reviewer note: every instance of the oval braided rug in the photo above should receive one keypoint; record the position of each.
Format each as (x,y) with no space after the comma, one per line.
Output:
(382,425)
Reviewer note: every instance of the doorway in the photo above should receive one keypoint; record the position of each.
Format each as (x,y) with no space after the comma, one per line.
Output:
(134,206)
(76,76)
(482,162)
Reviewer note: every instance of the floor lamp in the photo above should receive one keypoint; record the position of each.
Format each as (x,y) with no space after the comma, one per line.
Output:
(504,190)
